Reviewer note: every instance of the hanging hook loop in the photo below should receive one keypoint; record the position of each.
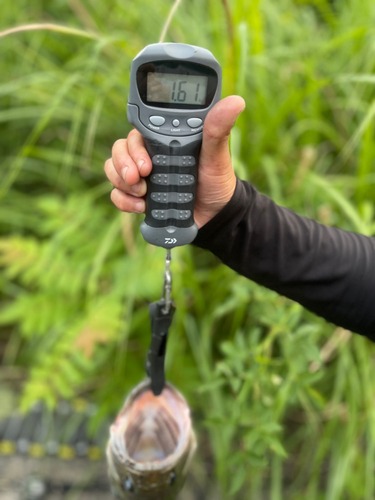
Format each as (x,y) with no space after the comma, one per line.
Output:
(167,287)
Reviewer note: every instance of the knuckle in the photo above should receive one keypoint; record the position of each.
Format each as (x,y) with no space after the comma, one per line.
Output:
(118,201)
(136,141)
(118,146)
(214,133)
(125,202)
(107,164)
(132,132)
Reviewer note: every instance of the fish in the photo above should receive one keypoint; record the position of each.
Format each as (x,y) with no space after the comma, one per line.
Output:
(151,444)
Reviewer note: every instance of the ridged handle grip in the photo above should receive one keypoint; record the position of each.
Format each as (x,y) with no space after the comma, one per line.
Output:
(171,191)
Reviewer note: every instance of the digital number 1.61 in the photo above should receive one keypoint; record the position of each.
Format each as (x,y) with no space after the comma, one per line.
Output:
(179,94)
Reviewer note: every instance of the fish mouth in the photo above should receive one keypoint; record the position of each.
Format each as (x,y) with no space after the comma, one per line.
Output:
(151,431)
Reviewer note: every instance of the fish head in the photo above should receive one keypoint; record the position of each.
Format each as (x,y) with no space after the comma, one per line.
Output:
(151,444)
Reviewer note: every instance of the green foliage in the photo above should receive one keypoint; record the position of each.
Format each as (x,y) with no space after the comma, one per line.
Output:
(285,399)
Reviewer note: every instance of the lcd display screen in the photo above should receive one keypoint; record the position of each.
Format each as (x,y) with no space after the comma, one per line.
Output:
(173,88)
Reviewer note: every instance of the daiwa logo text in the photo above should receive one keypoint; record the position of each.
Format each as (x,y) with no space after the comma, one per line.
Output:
(170,241)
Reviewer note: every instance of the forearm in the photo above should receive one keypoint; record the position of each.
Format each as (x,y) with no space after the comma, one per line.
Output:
(329,271)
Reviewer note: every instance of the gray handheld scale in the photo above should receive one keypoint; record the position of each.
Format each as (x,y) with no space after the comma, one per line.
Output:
(172,88)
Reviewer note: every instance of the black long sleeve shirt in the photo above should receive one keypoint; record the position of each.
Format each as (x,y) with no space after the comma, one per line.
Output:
(329,271)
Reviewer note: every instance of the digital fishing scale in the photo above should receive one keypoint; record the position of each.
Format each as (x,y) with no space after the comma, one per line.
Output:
(172,88)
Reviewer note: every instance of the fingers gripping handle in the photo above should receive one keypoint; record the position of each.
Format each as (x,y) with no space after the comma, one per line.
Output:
(171,191)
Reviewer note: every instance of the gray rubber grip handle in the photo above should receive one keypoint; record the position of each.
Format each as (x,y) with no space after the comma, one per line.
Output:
(171,191)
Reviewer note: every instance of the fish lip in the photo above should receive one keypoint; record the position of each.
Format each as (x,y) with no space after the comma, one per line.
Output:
(187,440)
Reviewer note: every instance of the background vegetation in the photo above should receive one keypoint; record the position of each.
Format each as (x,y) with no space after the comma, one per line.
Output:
(283,402)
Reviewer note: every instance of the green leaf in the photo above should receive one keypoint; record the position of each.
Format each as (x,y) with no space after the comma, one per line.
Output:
(238,479)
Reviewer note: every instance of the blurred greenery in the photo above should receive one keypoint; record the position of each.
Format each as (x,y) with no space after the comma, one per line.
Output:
(283,402)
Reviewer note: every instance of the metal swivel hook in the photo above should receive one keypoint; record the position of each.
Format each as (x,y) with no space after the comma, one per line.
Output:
(167,287)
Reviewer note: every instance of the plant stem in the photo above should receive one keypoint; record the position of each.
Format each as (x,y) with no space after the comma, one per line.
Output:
(229,21)
(49,27)
(169,19)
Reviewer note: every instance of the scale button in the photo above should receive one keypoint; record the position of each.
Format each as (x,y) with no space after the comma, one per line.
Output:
(193,122)
(176,123)
(157,120)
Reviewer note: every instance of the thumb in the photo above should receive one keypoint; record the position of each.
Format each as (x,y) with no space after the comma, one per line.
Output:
(216,131)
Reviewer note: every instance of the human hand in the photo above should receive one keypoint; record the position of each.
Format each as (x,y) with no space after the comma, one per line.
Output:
(130,164)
